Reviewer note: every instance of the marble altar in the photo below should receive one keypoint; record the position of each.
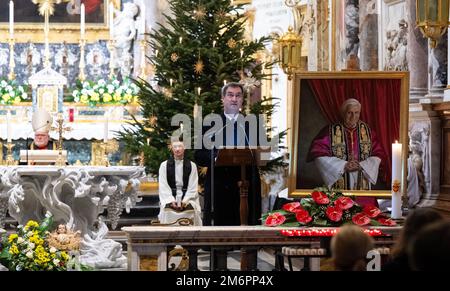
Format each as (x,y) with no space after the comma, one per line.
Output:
(152,242)
(74,196)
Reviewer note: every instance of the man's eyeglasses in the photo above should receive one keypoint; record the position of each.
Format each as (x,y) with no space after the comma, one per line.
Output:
(231,95)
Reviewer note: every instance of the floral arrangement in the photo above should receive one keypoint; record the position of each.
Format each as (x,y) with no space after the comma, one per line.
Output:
(106,92)
(326,208)
(12,93)
(28,249)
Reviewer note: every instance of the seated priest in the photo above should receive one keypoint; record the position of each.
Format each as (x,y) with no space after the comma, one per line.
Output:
(42,123)
(178,184)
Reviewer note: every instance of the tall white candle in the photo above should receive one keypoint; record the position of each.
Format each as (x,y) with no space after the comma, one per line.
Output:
(8,126)
(11,19)
(396,211)
(142,7)
(82,21)
(105,131)
(111,20)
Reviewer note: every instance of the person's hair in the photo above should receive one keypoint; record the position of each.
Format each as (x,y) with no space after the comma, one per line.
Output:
(415,221)
(231,85)
(430,250)
(349,248)
(347,103)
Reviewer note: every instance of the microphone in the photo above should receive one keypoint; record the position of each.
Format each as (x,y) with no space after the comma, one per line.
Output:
(248,142)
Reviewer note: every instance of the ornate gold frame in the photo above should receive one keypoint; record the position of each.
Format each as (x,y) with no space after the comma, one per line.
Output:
(34,32)
(294,132)
(41,103)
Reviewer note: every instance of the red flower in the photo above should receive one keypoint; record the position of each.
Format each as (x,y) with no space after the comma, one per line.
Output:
(386,221)
(275,219)
(291,206)
(302,216)
(320,197)
(371,211)
(334,213)
(360,219)
(344,203)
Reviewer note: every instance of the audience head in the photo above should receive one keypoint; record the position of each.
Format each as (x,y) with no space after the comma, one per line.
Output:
(232,97)
(350,111)
(349,248)
(430,250)
(415,221)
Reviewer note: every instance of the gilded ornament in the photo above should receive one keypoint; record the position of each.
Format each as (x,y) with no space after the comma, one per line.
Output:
(174,57)
(198,67)
(231,43)
(199,12)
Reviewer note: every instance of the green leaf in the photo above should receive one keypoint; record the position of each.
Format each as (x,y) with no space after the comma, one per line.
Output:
(375,223)
(290,224)
(321,222)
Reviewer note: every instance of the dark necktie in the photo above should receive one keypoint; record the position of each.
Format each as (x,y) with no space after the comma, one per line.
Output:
(235,131)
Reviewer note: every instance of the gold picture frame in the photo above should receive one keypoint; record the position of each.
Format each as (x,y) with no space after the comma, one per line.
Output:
(26,31)
(300,140)
(47,98)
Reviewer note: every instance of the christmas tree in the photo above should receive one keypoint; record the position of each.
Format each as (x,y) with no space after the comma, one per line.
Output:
(202,48)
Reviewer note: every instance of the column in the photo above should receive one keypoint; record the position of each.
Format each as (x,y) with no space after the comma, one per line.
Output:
(312,50)
(417,55)
(437,72)
(368,19)
(323,44)
(351,27)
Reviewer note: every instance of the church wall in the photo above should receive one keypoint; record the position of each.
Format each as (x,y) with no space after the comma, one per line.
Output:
(273,17)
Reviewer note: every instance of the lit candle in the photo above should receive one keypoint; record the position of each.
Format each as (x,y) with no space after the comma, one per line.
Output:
(105,133)
(199,90)
(171,82)
(148,141)
(11,19)
(181,127)
(111,20)
(214,43)
(181,39)
(396,211)
(224,82)
(82,21)
(8,126)
(242,53)
(156,53)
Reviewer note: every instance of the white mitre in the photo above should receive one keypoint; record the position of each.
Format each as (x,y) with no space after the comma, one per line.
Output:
(41,121)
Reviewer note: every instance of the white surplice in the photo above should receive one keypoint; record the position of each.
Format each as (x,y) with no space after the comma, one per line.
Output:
(165,192)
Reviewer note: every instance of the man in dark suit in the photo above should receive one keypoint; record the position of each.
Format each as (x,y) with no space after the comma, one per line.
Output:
(234,131)
(231,130)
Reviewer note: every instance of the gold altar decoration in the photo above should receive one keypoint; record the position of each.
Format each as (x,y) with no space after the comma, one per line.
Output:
(82,65)
(32,31)
(432,18)
(101,150)
(61,129)
(9,157)
(290,46)
(12,64)
(47,98)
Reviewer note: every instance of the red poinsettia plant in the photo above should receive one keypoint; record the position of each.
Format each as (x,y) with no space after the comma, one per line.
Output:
(326,207)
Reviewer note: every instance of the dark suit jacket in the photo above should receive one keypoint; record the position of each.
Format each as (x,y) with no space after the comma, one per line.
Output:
(226,190)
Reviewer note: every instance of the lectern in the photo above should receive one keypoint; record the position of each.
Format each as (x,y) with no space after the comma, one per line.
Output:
(243,157)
